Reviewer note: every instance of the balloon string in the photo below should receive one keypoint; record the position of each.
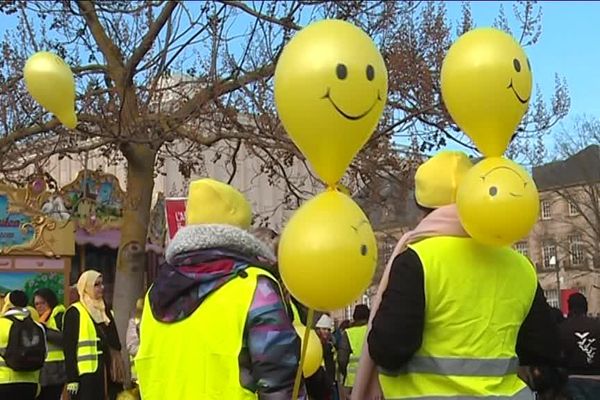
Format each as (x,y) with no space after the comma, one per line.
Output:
(309,321)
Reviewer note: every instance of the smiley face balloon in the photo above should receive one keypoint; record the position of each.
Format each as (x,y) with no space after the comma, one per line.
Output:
(497,202)
(486,87)
(327,252)
(330,90)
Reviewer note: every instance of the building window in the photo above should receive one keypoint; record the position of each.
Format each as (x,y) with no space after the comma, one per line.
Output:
(523,248)
(548,251)
(573,209)
(546,211)
(552,297)
(576,250)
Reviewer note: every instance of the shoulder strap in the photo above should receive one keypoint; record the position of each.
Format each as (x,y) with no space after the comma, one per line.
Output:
(11,318)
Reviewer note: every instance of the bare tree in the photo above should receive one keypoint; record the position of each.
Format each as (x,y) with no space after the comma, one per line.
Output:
(171,79)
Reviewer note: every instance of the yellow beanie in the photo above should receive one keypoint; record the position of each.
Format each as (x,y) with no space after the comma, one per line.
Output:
(438,178)
(213,202)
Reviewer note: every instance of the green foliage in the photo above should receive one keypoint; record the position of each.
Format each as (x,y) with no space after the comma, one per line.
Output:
(51,280)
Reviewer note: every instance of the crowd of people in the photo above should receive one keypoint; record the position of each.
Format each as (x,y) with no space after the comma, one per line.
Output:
(452,319)
(49,351)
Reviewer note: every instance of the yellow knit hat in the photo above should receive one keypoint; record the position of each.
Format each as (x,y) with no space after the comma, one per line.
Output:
(438,178)
(213,202)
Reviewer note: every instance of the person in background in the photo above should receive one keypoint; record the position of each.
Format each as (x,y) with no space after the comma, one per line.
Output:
(324,328)
(350,346)
(218,291)
(580,339)
(18,385)
(132,341)
(91,344)
(337,334)
(558,315)
(52,376)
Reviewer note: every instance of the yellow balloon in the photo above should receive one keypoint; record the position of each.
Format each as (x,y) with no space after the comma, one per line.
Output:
(50,82)
(327,252)
(314,351)
(486,86)
(330,90)
(498,202)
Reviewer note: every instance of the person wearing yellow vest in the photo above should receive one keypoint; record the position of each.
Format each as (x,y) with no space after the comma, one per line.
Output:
(52,376)
(351,344)
(90,334)
(214,324)
(19,385)
(453,317)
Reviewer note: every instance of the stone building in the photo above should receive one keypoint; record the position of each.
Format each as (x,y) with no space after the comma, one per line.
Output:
(565,243)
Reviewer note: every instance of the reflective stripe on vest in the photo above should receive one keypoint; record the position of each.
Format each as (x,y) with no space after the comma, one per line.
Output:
(87,344)
(462,366)
(476,298)
(356,337)
(8,375)
(206,364)
(55,353)
(524,394)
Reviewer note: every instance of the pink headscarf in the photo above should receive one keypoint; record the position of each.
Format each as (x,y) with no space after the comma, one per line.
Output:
(443,221)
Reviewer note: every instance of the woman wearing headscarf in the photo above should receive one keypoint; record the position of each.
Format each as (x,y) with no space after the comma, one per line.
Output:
(52,376)
(91,342)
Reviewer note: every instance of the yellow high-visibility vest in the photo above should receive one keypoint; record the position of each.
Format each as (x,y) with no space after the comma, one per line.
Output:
(197,357)
(8,375)
(87,343)
(55,353)
(476,298)
(356,337)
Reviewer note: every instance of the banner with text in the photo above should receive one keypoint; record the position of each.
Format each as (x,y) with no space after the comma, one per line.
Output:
(175,213)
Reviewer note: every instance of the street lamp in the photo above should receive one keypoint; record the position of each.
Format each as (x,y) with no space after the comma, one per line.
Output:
(554,264)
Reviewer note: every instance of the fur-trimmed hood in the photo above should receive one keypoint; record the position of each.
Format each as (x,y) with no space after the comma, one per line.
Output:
(201,259)
(203,237)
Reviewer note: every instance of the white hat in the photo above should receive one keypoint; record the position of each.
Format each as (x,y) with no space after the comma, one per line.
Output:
(324,322)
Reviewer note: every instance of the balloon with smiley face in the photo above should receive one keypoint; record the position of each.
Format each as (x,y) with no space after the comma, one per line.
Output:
(497,202)
(486,86)
(330,90)
(327,252)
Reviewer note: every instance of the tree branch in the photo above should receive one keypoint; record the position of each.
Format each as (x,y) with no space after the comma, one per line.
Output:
(201,98)
(111,52)
(148,39)
(20,134)
(284,22)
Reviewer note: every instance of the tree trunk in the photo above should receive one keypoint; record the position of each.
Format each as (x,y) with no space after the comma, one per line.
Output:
(131,261)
